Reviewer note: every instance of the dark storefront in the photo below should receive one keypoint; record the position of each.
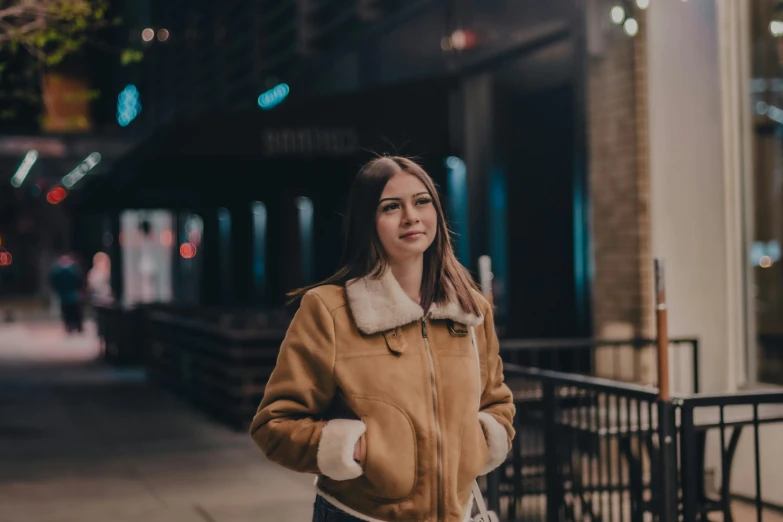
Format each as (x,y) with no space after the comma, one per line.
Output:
(232,163)
(500,129)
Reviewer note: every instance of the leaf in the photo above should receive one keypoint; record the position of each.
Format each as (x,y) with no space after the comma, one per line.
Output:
(130,56)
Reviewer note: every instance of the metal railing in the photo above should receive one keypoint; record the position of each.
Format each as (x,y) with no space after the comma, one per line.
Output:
(581,449)
(626,360)
(595,449)
(731,416)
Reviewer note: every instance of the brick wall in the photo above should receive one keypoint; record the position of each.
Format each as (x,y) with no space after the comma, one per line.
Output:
(619,188)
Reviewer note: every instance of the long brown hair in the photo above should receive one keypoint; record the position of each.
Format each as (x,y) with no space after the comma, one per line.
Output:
(444,278)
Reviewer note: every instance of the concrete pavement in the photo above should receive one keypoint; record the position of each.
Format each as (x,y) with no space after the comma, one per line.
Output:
(83,442)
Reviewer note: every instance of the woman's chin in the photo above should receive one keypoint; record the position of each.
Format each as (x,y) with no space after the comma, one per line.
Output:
(409,253)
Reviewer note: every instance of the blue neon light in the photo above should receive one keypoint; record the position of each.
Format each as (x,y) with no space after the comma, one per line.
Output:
(128,105)
(273,97)
(458,207)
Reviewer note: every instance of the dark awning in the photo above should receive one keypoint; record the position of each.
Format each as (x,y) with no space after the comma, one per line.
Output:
(198,162)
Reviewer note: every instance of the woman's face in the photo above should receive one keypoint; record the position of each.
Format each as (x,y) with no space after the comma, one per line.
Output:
(406,219)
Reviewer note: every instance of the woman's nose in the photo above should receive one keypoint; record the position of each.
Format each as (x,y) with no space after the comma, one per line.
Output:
(411,216)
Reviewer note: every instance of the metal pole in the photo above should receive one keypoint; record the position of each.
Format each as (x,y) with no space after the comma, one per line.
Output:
(552,477)
(667,428)
(662,332)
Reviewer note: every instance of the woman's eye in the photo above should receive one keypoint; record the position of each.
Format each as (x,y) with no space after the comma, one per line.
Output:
(390,206)
(424,201)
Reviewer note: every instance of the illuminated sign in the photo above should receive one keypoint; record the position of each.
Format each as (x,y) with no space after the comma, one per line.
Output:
(24,169)
(273,97)
(89,163)
(128,105)
(303,142)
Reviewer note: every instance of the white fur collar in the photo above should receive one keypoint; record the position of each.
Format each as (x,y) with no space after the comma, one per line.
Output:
(381,304)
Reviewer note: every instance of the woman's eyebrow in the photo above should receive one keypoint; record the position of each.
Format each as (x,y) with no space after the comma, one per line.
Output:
(398,199)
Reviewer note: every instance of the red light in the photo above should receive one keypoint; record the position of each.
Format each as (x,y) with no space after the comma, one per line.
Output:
(187,250)
(5,258)
(56,195)
(463,39)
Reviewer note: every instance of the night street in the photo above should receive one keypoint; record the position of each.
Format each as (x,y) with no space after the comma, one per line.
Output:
(83,442)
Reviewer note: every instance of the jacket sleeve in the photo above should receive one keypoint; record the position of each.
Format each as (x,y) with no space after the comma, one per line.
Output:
(288,426)
(497,402)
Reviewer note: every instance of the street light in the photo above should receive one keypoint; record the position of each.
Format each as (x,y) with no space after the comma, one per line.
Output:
(617,14)
(24,168)
(631,27)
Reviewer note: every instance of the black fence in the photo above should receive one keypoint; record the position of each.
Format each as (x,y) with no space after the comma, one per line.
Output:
(218,360)
(595,449)
(220,365)
(593,442)
(736,418)
(121,330)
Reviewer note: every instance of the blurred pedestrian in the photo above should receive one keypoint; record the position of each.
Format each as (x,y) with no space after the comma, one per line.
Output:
(67,281)
(99,280)
(389,384)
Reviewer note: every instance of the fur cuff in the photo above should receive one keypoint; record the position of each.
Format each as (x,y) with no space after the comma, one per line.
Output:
(335,450)
(497,441)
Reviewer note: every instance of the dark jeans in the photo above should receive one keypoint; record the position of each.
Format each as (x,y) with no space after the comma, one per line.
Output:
(323,511)
(72,316)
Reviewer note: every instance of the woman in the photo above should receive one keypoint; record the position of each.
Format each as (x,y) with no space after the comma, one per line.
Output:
(99,280)
(376,388)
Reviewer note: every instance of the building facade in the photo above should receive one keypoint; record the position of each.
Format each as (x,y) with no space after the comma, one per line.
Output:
(508,146)
(694,181)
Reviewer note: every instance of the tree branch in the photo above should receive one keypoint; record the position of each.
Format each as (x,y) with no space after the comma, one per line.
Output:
(30,48)
(31,15)
(14,10)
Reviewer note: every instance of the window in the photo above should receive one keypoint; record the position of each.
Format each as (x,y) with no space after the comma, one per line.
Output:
(765,196)
(305,208)
(146,256)
(259,252)
(224,242)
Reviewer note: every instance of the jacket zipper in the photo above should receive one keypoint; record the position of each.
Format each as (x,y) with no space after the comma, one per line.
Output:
(435,411)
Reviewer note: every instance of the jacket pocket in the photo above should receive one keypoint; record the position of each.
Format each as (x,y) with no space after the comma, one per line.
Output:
(474,452)
(389,456)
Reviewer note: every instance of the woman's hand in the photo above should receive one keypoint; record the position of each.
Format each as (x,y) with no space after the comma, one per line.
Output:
(357,450)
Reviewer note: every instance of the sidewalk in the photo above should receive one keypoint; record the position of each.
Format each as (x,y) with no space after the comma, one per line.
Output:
(85,443)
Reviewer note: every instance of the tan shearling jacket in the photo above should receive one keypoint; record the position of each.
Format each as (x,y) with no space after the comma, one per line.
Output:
(363,361)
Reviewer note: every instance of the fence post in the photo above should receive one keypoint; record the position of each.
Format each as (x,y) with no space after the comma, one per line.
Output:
(689,451)
(667,427)
(667,436)
(493,489)
(661,326)
(552,478)
(695,355)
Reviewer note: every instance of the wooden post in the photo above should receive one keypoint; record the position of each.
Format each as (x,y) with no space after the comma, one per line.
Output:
(662,334)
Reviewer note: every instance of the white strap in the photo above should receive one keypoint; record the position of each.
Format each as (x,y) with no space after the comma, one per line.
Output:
(479,498)
(478,362)
(483,515)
